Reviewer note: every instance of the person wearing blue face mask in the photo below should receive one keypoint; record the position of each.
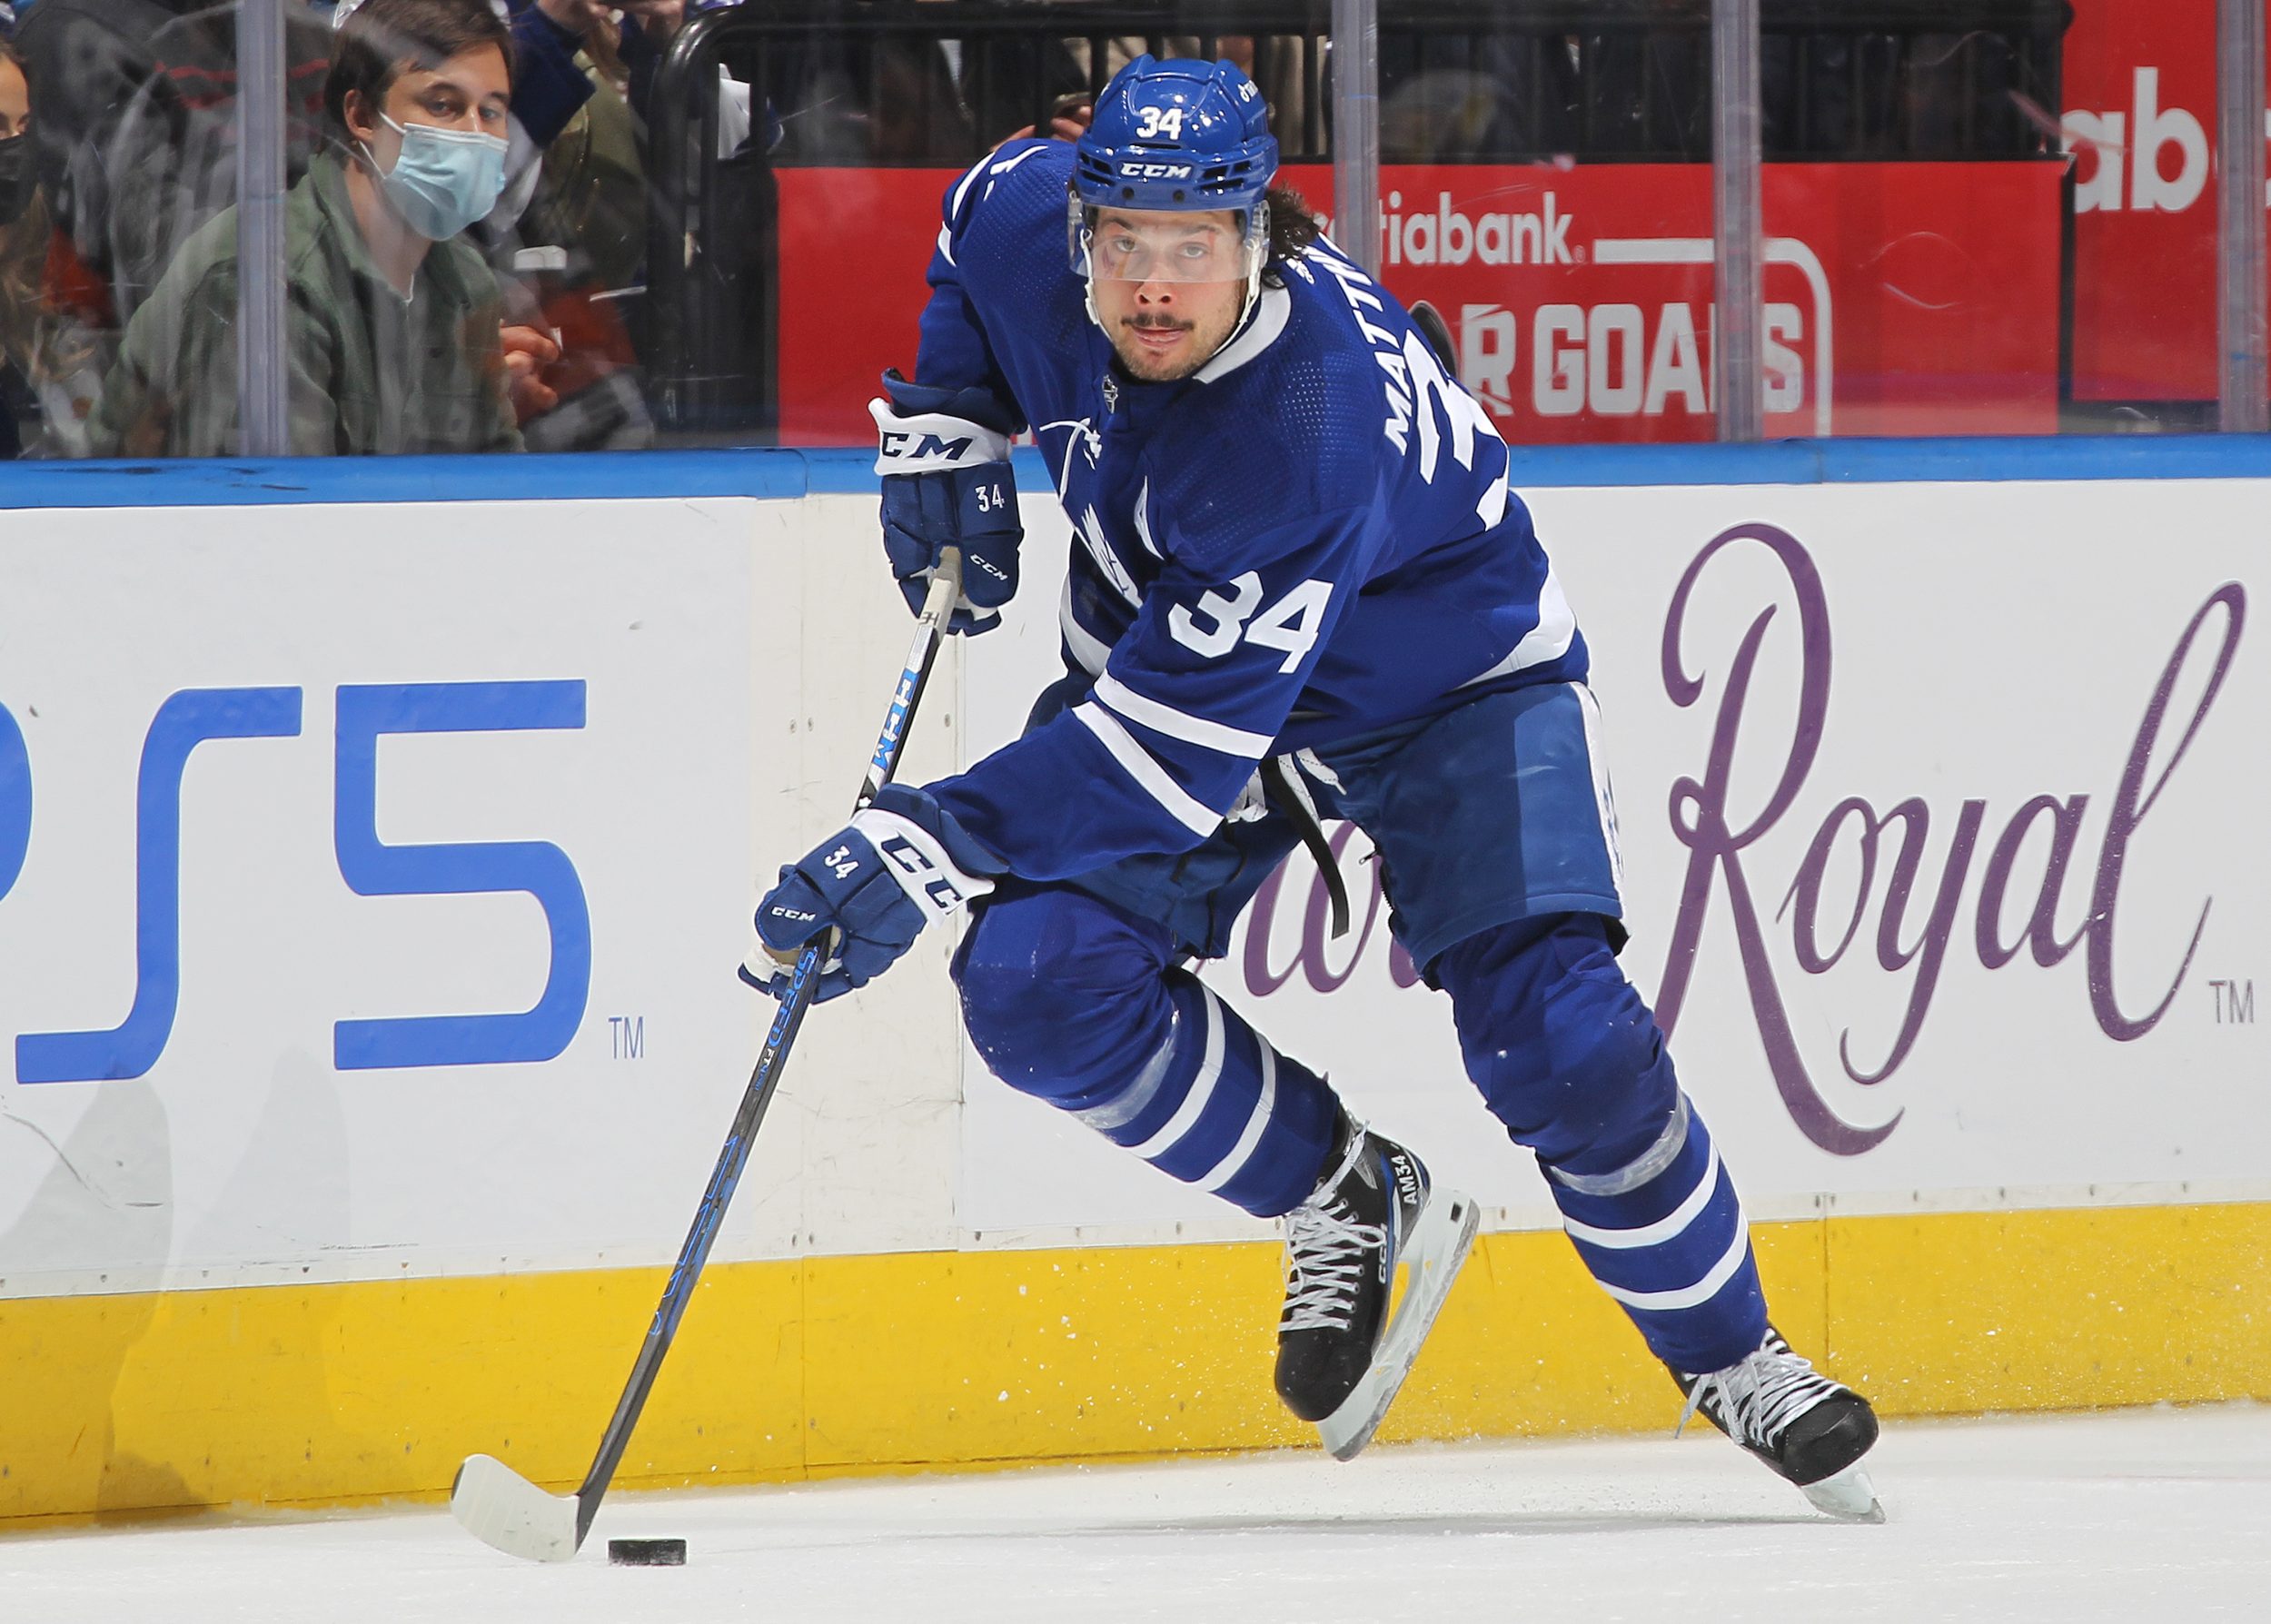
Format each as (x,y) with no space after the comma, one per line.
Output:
(393,320)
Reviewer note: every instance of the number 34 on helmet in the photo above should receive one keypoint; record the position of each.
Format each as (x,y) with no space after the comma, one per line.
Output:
(1175,137)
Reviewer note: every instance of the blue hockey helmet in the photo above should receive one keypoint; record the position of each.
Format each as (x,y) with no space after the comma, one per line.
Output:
(1177,134)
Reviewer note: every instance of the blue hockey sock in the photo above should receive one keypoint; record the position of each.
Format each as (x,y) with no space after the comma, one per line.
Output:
(1664,1235)
(1216,1106)
(1571,1060)
(1072,1001)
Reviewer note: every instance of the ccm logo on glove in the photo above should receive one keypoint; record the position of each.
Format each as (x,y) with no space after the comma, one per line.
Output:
(946,483)
(940,892)
(871,888)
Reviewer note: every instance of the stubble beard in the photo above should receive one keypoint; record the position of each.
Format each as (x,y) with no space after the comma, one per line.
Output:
(1148,367)
(1141,365)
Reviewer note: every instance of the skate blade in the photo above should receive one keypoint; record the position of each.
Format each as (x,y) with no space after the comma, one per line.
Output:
(1847,1495)
(1440,1240)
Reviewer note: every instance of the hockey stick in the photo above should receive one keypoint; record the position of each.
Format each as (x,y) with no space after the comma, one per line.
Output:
(495,1502)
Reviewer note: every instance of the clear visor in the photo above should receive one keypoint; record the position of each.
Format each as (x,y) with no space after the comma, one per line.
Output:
(1156,247)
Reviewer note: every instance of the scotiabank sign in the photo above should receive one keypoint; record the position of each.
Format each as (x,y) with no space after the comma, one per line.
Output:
(1899,298)
(1594,336)
(2139,87)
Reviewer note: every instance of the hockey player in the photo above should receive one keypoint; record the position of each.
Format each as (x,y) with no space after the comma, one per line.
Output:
(1300,587)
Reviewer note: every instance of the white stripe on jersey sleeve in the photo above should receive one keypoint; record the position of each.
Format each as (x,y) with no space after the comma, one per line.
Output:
(1117,695)
(1143,767)
(986,166)
(1007,164)
(954,207)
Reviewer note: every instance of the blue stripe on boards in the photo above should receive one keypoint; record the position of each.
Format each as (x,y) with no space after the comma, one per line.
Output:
(777,473)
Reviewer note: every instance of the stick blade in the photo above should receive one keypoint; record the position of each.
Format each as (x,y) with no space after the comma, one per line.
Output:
(499,1506)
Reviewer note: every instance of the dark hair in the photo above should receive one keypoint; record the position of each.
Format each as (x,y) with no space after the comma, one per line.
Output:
(380,35)
(1292,227)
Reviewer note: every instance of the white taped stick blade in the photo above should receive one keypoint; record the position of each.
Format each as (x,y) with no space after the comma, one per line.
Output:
(499,1506)
(1440,1243)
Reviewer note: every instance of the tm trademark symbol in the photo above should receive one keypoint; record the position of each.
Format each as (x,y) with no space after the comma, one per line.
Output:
(627,1037)
(2235,1003)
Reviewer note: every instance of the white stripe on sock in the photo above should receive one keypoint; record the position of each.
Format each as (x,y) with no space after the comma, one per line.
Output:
(1701,1292)
(1234,1163)
(1202,1088)
(1663,1229)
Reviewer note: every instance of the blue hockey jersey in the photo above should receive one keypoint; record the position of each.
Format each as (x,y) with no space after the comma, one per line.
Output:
(1309,538)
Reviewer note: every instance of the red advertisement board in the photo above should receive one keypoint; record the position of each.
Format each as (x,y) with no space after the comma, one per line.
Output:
(2139,86)
(1900,298)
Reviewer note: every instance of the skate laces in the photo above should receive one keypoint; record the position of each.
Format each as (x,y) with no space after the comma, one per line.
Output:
(1761,1395)
(1328,1248)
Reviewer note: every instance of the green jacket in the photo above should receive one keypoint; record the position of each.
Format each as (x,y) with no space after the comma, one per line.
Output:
(370,372)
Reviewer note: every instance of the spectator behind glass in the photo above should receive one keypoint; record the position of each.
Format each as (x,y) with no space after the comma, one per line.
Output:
(48,370)
(583,236)
(592,196)
(137,135)
(393,321)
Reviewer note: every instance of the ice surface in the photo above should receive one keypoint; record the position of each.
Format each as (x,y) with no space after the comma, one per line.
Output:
(2156,1514)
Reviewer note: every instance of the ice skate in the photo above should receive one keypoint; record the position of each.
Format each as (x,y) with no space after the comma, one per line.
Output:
(1341,1356)
(1812,1430)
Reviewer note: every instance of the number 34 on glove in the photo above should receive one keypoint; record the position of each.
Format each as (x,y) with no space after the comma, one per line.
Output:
(870,888)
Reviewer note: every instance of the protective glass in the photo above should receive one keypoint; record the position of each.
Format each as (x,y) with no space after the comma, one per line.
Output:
(1977,216)
(1177,248)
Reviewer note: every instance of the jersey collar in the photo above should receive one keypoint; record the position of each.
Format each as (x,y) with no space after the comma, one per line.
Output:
(1271,312)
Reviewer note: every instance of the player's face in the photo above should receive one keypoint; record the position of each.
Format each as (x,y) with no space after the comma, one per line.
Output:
(1168,287)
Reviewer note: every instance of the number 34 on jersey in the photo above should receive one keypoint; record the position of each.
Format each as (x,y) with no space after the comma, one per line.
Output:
(1291,623)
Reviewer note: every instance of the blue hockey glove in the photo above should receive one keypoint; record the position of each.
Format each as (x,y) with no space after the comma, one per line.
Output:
(943,455)
(901,862)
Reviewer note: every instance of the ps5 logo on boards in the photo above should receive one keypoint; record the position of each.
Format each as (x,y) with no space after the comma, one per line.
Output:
(371,867)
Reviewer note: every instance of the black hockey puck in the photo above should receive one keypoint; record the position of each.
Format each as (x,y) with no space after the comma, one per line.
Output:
(646,1553)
